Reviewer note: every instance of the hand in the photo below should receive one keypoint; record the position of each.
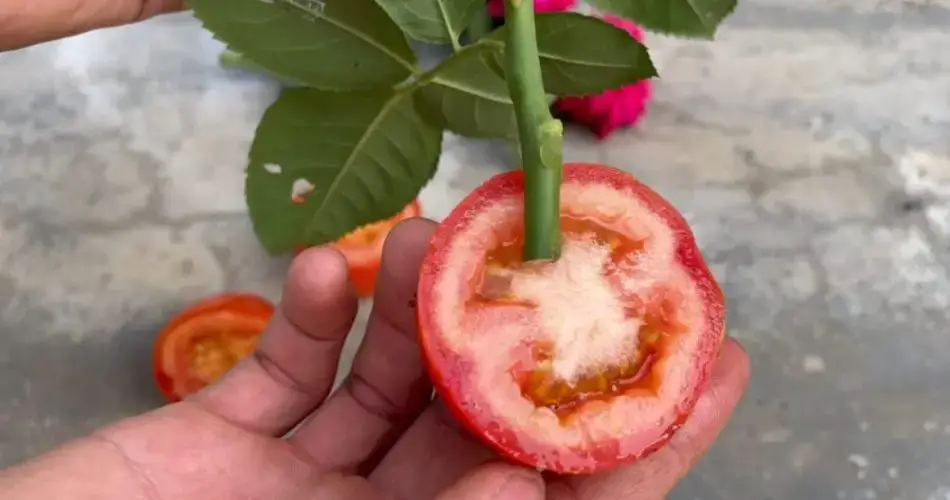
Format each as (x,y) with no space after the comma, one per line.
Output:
(378,437)
(26,22)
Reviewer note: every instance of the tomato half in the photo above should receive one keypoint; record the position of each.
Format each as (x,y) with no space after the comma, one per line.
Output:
(580,364)
(363,249)
(205,340)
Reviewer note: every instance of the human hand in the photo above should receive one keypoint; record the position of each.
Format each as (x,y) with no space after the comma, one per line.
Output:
(26,22)
(378,437)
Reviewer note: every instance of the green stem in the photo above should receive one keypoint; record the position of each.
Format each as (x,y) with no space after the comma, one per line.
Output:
(540,135)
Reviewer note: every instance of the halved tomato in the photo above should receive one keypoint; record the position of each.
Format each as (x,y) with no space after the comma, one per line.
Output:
(579,364)
(205,340)
(363,249)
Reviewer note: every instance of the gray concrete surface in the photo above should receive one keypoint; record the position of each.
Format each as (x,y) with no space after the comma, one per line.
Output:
(808,146)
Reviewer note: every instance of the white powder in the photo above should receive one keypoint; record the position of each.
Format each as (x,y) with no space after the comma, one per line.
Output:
(579,310)
(300,188)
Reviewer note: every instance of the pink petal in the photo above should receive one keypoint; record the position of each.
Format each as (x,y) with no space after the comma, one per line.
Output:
(496,8)
(613,109)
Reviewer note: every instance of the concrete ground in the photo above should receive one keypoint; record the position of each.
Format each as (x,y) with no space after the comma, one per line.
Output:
(808,146)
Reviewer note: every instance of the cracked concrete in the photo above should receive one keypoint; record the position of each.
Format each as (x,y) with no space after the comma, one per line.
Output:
(807,146)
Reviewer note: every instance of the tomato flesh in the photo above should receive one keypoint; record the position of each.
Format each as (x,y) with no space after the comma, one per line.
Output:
(578,364)
(214,349)
(206,340)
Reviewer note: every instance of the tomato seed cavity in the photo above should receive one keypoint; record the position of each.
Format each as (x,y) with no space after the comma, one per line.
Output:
(215,353)
(541,385)
(545,389)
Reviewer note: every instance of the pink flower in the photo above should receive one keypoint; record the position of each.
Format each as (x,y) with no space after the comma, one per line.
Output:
(496,8)
(606,112)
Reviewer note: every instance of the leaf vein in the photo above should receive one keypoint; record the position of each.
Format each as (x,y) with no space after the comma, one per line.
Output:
(357,150)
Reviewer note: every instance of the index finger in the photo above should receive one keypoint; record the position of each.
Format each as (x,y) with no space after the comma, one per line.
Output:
(294,365)
(387,386)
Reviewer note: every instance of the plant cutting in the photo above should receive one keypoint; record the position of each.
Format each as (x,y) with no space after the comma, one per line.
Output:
(565,312)
(205,340)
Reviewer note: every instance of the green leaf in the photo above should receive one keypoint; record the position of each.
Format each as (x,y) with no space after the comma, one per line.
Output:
(330,45)
(481,25)
(583,55)
(690,18)
(433,21)
(325,163)
(464,95)
(232,59)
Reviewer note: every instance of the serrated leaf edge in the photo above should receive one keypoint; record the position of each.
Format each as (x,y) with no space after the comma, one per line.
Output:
(497,48)
(410,65)
(299,5)
(711,30)
(709,33)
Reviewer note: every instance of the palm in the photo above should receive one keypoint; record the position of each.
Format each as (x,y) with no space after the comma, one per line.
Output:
(185,452)
(379,436)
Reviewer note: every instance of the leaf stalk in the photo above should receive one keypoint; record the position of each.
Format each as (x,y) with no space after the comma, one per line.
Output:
(540,134)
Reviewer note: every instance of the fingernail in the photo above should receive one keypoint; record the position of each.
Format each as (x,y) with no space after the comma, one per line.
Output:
(521,487)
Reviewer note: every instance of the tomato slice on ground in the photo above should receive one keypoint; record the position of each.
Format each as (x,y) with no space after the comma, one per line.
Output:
(205,340)
(363,249)
(580,364)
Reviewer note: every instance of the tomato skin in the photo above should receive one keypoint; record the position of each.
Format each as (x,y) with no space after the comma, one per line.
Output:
(364,258)
(244,308)
(449,370)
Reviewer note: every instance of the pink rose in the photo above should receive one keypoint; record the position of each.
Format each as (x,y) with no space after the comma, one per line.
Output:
(496,8)
(606,112)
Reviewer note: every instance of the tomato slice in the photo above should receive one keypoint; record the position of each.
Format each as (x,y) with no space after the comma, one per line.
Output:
(363,249)
(207,339)
(580,364)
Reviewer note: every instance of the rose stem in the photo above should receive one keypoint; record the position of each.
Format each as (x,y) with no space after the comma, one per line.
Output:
(540,135)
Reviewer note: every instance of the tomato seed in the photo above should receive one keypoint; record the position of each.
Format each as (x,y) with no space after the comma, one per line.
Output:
(216,353)
(545,389)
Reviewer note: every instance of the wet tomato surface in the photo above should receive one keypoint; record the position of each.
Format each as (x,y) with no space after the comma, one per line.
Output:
(206,340)
(363,249)
(579,364)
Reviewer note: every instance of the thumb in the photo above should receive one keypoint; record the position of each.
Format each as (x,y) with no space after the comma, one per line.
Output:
(496,481)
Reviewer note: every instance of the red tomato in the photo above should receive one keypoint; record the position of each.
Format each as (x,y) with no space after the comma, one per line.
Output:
(581,364)
(363,249)
(205,340)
